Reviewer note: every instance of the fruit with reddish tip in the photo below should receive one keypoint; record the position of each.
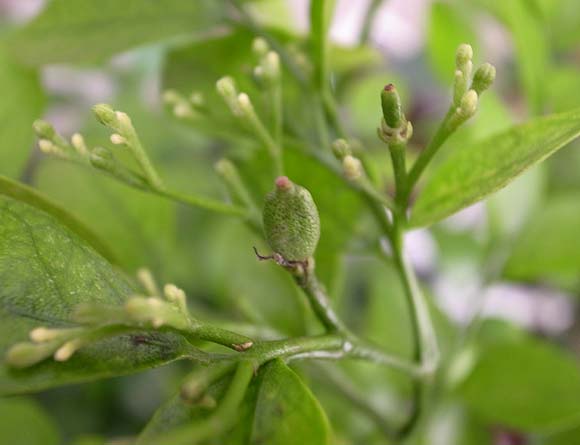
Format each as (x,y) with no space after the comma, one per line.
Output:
(291,221)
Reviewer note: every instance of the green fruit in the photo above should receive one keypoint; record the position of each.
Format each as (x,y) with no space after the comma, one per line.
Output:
(291,221)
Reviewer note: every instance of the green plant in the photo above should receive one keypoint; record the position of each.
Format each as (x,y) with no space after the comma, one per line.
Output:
(69,315)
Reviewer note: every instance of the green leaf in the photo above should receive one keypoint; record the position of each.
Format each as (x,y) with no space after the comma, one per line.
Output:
(278,409)
(46,271)
(448,28)
(549,246)
(24,422)
(476,171)
(285,410)
(31,196)
(89,31)
(22,102)
(528,385)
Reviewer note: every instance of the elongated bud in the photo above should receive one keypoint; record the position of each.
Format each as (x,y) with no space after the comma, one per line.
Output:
(43,129)
(291,221)
(66,351)
(245,105)
(391,104)
(148,282)
(25,354)
(483,78)
(117,139)
(105,115)
(341,149)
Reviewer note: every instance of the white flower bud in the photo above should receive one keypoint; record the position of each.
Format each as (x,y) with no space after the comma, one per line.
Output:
(245,104)
(46,146)
(117,139)
(352,167)
(468,104)
(66,351)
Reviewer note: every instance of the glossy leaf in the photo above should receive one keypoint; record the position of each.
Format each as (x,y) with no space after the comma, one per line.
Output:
(527,385)
(46,271)
(278,409)
(549,245)
(22,102)
(476,171)
(87,31)
(24,422)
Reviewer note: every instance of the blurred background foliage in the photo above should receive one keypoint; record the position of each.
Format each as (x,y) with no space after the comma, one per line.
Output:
(503,274)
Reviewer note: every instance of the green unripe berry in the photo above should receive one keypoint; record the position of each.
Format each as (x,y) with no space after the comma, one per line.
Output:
(391,104)
(291,221)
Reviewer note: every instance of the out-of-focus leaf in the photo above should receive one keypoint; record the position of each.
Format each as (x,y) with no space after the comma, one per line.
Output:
(448,28)
(22,102)
(24,422)
(531,42)
(549,245)
(89,31)
(46,271)
(528,385)
(278,409)
(451,424)
(476,171)
(563,81)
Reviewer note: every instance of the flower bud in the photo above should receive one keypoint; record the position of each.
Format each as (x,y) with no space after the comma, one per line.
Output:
(352,168)
(105,115)
(341,149)
(291,221)
(463,55)
(483,78)
(25,354)
(391,104)
(468,104)
(43,129)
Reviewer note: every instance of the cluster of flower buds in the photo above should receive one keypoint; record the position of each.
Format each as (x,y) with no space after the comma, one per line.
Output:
(184,107)
(124,135)
(352,167)
(267,72)
(97,322)
(466,94)
(394,129)
(239,103)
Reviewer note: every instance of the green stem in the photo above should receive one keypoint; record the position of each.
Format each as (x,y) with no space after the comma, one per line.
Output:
(368,21)
(221,336)
(134,144)
(278,110)
(398,158)
(201,202)
(266,138)
(320,17)
(319,302)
